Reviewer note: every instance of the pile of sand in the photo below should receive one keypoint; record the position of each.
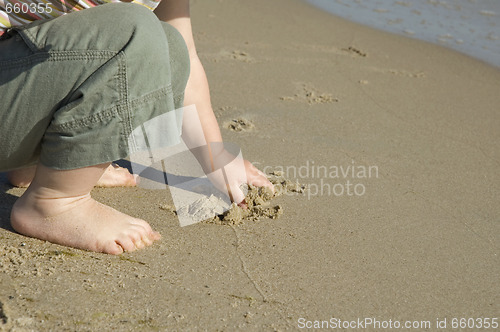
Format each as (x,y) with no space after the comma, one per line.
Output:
(258,201)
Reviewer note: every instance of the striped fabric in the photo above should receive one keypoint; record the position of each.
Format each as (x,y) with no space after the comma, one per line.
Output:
(20,12)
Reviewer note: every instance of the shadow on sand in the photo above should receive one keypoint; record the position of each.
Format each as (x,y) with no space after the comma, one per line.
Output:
(6,202)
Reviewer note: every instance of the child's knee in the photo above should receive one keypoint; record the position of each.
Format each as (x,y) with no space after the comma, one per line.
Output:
(140,19)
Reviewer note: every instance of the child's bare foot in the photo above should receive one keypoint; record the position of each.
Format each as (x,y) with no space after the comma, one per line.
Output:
(57,207)
(114,176)
(81,222)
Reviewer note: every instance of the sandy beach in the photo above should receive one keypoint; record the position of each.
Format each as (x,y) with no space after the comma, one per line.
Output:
(398,141)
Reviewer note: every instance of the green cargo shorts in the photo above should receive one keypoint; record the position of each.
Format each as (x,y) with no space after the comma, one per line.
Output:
(72,89)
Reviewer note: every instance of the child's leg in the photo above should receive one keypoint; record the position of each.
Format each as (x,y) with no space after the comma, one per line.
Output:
(57,207)
(93,77)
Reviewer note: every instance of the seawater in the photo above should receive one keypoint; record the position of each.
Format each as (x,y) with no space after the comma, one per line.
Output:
(468,26)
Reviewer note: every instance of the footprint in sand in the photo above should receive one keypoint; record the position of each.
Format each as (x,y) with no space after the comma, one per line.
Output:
(406,73)
(225,55)
(399,72)
(239,124)
(354,51)
(306,92)
(237,55)
(330,49)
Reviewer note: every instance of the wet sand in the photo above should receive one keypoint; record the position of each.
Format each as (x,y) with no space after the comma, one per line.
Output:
(408,132)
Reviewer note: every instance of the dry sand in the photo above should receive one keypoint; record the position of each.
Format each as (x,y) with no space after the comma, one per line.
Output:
(421,243)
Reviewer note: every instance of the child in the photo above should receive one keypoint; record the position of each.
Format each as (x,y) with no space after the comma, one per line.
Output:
(72,90)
